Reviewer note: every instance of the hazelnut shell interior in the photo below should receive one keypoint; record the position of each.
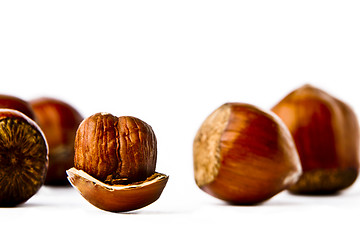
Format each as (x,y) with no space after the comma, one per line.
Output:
(117,198)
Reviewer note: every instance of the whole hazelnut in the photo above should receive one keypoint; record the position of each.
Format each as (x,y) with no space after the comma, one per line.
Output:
(59,122)
(115,159)
(244,155)
(326,134)
(23,157)
(12,102)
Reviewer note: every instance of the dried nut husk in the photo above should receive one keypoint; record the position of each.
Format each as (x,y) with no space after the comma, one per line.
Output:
(23,157)
(59,122)
(114,164)
(118,198)
(244,155)
(326,134)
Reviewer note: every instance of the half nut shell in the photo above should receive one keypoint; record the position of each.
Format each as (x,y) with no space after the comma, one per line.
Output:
(117,198)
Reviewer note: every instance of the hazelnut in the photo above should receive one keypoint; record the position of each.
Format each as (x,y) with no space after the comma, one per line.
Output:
(115,161)
(326,134)
(23,157)
(59,122)
(12,102)
(244,155)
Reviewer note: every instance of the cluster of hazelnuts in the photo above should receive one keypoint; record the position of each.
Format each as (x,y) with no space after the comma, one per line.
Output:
(308,144)
(109,160)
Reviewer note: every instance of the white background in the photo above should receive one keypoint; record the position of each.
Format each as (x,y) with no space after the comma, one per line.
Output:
(171,63)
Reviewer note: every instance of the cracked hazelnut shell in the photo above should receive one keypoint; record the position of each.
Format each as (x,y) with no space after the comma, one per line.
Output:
(114,164)
(326,134)
(244,155)
(59,122)
(23,157)
(118,198)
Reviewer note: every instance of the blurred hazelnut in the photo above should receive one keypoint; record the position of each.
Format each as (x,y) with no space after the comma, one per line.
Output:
(59,122)
(12,102)
(326,134)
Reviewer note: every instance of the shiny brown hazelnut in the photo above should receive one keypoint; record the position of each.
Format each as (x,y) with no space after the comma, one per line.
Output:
(115,159)
(23,157)
(326,134)
(59,122)
(12,102)
(244,155)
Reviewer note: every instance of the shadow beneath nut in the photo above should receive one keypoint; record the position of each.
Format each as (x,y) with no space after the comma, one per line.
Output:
(149,212)
(58,186)
(319,194)
(266,204)
(23,205)
(30,205)
(232,205)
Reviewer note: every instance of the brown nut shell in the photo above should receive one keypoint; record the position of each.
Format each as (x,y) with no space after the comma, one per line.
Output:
(244,155)
(326,134)
(23,157)
(12,102)
(59,122)
(118,198)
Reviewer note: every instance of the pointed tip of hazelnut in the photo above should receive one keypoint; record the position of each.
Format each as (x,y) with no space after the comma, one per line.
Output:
(308,88)
(117,198)
(308,85)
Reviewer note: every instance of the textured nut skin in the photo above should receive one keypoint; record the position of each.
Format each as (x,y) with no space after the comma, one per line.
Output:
(115,150)
(253,157)
(12,102)
(326,134)
(23,157)
(59,122)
